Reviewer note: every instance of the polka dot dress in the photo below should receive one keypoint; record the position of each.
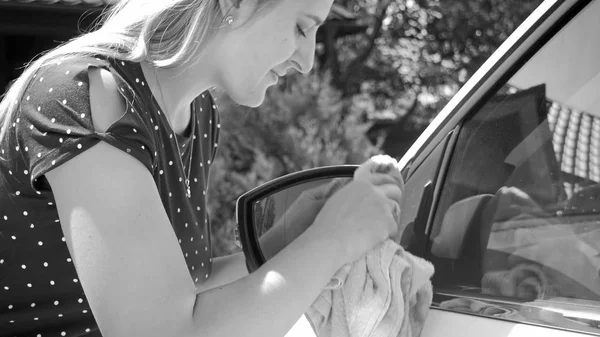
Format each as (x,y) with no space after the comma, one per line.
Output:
(40,293)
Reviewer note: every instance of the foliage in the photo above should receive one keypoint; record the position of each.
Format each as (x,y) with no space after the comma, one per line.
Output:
(418,53)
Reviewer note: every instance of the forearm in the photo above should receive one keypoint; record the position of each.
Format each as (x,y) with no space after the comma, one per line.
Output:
(270,300)
(290,225)
(225,270)
(273,240)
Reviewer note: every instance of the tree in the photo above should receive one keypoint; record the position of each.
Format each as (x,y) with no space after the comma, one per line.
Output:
(417,53)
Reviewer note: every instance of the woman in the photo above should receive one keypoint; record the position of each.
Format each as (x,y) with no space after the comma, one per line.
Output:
(106,145)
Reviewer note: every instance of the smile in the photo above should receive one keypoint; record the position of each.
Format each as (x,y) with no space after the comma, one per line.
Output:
(275,76)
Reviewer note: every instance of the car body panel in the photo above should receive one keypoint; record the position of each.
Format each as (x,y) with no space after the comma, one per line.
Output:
(451,324)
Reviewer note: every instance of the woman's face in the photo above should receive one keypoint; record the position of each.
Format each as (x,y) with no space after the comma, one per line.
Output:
(260,47)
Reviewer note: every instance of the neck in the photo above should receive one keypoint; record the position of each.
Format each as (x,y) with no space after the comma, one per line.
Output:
(175,88)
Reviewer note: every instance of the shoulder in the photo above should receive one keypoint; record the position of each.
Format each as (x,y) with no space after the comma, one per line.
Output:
(61,80)
(67,70)
(85,82)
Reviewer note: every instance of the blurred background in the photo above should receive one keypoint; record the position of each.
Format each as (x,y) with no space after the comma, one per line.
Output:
(383,70)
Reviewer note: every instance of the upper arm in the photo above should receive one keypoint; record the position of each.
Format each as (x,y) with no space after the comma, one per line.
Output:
(225,270)
(124,249)
(106,102)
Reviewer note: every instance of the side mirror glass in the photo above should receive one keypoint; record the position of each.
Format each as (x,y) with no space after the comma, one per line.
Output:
(281,217)
(272,215)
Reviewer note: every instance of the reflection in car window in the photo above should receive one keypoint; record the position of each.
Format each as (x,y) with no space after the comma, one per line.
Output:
(519,215)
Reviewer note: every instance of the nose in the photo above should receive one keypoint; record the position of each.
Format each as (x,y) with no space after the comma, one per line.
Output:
(304,57)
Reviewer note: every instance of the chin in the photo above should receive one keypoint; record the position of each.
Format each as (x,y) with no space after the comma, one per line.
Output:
(250,92)
(249,99)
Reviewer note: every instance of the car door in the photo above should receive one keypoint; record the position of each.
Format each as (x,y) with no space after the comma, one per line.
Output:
(503,189)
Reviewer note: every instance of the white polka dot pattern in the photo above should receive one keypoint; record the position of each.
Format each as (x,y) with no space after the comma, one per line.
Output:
(42,292)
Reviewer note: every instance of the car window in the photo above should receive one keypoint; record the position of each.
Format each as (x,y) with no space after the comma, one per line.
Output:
(519,213)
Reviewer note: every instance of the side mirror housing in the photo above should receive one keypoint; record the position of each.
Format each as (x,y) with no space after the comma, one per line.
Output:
(273,214)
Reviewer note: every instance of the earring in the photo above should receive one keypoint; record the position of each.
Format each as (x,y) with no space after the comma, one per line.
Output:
(229,20)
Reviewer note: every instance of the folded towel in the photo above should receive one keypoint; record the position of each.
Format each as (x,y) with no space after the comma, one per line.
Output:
(386,293)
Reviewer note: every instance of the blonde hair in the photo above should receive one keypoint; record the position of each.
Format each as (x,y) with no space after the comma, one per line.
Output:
(165,33)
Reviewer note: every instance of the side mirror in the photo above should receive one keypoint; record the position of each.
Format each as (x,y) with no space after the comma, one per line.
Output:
(275,213)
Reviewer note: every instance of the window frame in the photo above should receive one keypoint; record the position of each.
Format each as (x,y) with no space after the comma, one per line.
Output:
(420,190)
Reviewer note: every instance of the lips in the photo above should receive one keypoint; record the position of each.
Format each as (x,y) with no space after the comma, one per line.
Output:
(275,76)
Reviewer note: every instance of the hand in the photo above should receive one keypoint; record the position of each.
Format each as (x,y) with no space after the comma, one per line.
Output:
(358,217)
(381,171)
(366,211)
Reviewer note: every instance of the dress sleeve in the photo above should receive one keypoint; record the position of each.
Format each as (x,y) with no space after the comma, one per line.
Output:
(54,121)
(215,128)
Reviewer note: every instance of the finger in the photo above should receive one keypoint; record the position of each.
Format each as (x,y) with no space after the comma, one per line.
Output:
(337,184)
(382,178)
(396,214)
(375,164)
(325,191)
(391,191)
(394,217)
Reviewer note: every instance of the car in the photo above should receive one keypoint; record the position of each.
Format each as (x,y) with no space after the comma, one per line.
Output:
(502,190)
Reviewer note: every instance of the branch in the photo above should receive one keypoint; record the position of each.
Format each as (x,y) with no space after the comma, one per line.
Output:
(332,59)
(411,111)
(382,7)
(413,107)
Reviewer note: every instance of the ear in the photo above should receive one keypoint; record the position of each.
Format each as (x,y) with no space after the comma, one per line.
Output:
(240,10)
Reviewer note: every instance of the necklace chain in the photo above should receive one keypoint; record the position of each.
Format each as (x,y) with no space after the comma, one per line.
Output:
(188,190)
